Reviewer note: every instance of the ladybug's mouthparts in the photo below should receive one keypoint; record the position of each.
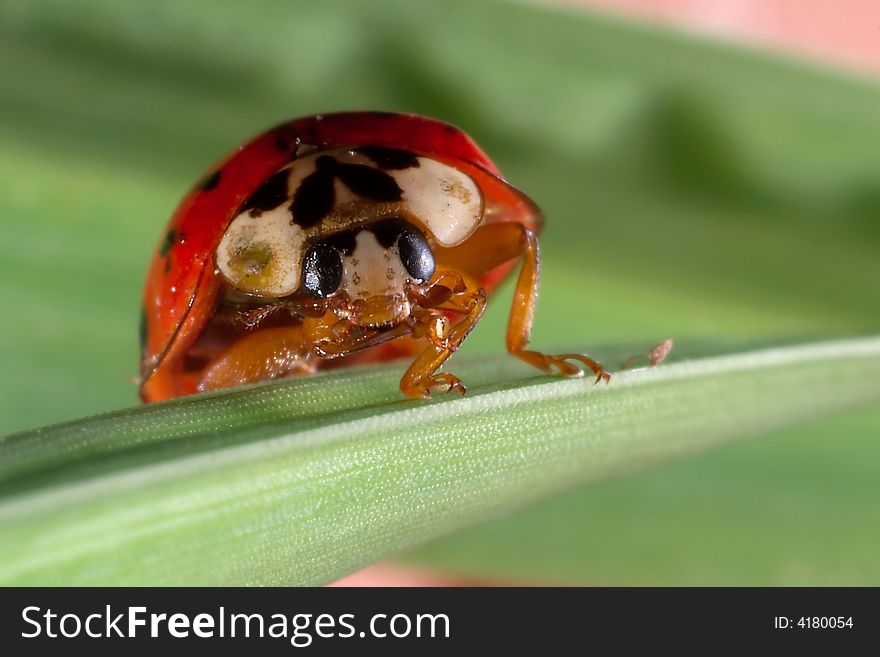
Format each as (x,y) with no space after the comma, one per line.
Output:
(379,311)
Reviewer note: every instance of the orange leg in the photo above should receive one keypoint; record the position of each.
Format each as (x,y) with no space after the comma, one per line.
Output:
(443,340)
(493,245)
(519,326)
(267,353)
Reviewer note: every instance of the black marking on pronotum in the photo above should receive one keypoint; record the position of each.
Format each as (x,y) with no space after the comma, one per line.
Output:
(390,158)
(313,199)
(270,194)
(326,163)
(369,182)
(170,240)
(210,182)
(388,230)
(343,242)
(322,270)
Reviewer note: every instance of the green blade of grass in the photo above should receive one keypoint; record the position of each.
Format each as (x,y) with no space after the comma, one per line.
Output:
(277,493)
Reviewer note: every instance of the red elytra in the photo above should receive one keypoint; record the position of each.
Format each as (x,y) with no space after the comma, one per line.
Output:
(183,286)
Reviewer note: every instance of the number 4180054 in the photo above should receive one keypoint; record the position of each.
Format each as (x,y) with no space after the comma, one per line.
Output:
(814,622)
(824,622)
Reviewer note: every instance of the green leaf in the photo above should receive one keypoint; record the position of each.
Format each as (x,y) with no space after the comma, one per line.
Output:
(691,189)
(304,481)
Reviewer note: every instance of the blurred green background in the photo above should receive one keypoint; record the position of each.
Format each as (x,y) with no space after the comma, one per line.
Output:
(690,189)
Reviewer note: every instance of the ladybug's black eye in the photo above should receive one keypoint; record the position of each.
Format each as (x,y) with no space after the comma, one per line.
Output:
(322,270)
(415,254)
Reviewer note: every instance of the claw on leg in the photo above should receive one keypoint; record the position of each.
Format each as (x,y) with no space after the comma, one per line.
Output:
(598,371)
(445,382)
(439,382)
(560,362)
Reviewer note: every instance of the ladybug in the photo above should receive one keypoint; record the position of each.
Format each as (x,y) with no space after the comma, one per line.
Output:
(338,239)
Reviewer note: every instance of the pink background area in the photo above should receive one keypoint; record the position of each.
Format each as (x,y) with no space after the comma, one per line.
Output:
(843,33)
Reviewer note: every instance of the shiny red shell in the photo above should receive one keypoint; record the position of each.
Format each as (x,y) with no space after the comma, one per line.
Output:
(182,287)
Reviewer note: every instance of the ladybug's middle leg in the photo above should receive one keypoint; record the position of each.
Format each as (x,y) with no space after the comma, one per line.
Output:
(493,245)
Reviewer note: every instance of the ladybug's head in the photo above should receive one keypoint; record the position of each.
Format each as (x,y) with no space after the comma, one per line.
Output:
(372,266)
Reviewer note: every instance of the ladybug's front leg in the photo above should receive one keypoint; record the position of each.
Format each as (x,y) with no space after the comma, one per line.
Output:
(443,338)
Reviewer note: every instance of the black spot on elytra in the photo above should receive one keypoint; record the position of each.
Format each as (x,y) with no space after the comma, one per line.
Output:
(286,139)
(142,329)
(313,200)
(343,242)
(379,114)
(170,240)
(390,158)
(210,182)
(388,230)
(271,194)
